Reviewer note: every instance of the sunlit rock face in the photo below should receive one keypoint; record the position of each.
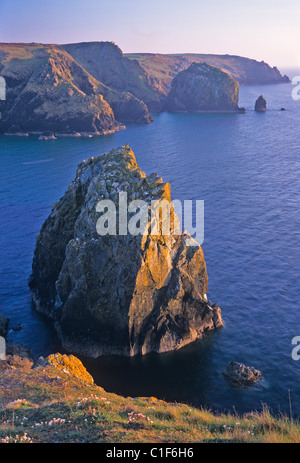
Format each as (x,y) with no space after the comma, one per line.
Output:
(202,87)
(120,294)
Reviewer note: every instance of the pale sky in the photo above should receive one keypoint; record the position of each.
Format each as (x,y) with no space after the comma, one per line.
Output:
(261,29)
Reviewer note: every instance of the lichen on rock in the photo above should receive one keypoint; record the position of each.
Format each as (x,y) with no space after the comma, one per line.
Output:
(68,364)
(118,294)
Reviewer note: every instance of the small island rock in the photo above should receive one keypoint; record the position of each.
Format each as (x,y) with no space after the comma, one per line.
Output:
(260,104)
(241,375)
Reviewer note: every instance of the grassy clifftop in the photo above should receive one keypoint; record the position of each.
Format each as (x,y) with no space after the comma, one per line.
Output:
(58,402)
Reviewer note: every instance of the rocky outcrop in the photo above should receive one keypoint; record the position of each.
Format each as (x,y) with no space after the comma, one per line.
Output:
(240,375)
(124,294)
(260,104)
(48,91)
(68,364)
(202,87)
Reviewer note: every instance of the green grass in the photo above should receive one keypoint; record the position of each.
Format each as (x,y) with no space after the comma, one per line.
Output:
(53,406)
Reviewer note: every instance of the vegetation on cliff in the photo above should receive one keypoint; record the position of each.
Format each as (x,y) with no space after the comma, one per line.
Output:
(50,404)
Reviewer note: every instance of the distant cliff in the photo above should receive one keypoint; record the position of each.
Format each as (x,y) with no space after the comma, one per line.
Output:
(161,69)
(202,87)
(48,90)
(120,294)
(93,87)
(149,76)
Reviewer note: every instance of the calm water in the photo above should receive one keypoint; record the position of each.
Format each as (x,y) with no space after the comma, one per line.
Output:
(246,168)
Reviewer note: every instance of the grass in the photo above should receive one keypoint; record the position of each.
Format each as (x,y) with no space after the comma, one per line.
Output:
(49,405)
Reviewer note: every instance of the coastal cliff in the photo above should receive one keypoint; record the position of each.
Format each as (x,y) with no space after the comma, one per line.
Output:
(48,91)
(93,87)
(202,87)
(119,294)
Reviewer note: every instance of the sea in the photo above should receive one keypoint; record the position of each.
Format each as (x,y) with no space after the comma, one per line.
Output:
(246,169)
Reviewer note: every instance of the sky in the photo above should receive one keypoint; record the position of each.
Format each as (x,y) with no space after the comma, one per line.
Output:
(260,29)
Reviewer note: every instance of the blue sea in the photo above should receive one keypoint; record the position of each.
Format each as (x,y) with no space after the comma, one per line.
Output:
(246,168)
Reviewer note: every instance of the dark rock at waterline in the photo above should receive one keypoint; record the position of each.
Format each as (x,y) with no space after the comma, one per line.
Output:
(123,295)
(241,375)
(3,326)
(260,104)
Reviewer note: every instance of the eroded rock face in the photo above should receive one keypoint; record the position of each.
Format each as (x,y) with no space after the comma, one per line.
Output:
(120,294)
(47,90)
(202,87)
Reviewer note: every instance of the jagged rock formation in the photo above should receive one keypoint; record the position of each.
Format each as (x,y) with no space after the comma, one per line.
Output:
(241,375)
(48,91)
(260,104)
(202,87)
(119,294)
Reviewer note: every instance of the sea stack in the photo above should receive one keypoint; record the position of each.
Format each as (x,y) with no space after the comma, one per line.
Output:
(202,87)
(260,104)
(118,294)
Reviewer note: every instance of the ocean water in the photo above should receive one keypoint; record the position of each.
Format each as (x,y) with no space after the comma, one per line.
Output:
(246,168)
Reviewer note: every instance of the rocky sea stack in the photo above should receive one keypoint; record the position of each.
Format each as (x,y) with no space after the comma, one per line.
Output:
(260,104)
(202,87)
(119,294)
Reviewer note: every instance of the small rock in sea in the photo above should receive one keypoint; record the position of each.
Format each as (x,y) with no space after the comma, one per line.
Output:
(260,104)
(241,375)
(282,109)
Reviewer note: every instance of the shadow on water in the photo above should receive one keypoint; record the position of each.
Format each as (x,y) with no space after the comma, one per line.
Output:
(171,376)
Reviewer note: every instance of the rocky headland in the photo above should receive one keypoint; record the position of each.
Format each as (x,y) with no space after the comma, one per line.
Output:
(93,89)
(48,91)
(120,294)
(203,87)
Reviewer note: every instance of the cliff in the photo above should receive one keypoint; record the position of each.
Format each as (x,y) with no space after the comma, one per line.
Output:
(90,86)
(161,69)
(48,90)
(120,294)
(202,87)
(106,62)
